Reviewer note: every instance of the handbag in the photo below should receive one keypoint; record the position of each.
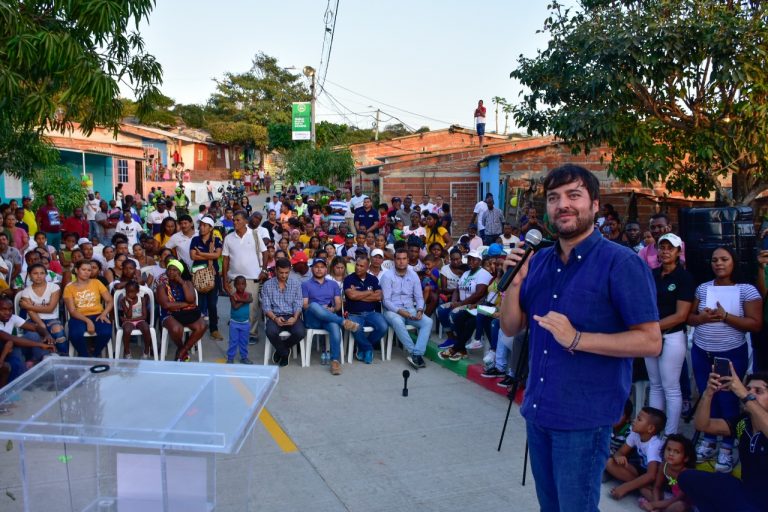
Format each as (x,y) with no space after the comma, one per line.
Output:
(204,279)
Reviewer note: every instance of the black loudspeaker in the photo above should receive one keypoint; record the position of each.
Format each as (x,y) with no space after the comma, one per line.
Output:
(706,229)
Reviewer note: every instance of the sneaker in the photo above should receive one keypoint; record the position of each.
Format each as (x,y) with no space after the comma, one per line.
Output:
(351,326)
(275,358)
(419,360)
(335,367)
(493,373)
(230,361)
(705,451)
(446,344)
(284,361)
(724,462)
(445,354)
(217,335)
(205,318)
(368,356)
(252,340)
(360,356)
(412,361)
(489,358)
(474,345)
(245,360)
(458,356)
(506,382)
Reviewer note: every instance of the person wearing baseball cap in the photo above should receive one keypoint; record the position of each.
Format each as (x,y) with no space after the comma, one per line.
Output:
(473,285)
(377,258)
(675,293)
(363,294)
(204,248)
(322,303)
(299,262)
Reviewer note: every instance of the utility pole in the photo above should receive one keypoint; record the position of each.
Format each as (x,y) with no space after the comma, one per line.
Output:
(376,135)
(309,72)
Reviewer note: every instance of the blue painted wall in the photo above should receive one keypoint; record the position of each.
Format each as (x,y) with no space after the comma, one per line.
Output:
(5,198)
(489,179)
(100,166)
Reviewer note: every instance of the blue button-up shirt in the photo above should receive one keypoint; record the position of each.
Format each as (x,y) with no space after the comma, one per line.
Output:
(603,288)
(282,302)
(401,292)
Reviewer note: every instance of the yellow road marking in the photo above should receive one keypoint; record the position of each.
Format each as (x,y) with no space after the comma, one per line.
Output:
(273,427)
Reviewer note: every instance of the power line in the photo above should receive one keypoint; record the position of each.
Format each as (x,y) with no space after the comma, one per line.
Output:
(330,18)
(387,104)
(330,46)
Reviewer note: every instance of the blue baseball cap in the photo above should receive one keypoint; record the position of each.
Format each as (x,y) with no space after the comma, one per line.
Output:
(495,250)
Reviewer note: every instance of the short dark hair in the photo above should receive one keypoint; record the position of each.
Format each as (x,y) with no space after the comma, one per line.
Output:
(657,418)
(188,218)
(362,256)
(401,250)
(283,263)
(570,173)
(660,215)
(763,376)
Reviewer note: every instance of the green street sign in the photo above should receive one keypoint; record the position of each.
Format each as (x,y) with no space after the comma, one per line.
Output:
(301,121)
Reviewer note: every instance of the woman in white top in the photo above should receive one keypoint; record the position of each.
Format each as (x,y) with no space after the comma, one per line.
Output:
(41,302)
(723,312)
(338,272)
(471,290)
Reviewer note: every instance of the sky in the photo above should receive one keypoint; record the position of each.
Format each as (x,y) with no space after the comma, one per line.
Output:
(425,63)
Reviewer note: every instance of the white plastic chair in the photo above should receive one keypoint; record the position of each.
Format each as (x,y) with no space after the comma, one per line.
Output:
(299,347)
(110,354)
(310,337)
(391,338)
(143,292)
(351,344)
(187,331)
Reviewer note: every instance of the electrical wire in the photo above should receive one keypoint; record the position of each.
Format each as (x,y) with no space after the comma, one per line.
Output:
(387,104)
(330,46)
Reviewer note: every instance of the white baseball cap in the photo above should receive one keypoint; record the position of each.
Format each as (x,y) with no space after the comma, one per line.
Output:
(207,220)
(475,254)
(672,238)
(377,252)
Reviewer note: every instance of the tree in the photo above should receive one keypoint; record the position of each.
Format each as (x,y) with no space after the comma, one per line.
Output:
(677,88)
(321,165)
(498,100)
(161,113)
(58,180)
(241,133)
(508,109)
(61,62)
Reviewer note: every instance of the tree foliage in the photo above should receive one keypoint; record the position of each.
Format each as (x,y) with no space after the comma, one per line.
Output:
(677,88)
(61,62)
(320,165)
(261,96)
(58,180)
(239,133)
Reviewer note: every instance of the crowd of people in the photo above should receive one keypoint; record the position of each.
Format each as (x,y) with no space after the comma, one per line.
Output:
(296,262)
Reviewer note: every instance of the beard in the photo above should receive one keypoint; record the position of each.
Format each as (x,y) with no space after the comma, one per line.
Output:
(580,223)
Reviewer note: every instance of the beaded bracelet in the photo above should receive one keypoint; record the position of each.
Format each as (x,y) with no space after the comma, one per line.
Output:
(575,342)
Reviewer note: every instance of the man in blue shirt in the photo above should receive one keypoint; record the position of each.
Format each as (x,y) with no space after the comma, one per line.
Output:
(322,302)
(366,217)
(590,308)
(403,302)
(363,299)
(282,301)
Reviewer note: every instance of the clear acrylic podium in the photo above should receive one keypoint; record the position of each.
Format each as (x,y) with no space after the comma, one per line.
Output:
(141,436)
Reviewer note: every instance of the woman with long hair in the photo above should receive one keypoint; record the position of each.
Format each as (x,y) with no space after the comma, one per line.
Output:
(167,230)
(723,312)
(89,305)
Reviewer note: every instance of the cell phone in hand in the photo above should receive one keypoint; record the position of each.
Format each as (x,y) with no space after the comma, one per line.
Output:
(723,367)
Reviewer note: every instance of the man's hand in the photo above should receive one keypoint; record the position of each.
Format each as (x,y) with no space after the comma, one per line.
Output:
(405,314)
(513,259)
(289,322)
(733,384)
(418,316)
(559,326)
(46,346)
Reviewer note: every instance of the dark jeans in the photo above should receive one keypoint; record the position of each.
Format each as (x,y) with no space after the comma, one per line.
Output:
(283,346)
(365,341)
(464,323)
(724,405)
(567,466)
(77,337)
(716,492)
(208,303)
(483,325)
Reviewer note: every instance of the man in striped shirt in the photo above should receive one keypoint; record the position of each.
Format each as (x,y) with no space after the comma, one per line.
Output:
(339,209)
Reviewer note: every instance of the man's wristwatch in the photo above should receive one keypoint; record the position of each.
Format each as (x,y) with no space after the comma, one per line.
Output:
(748,398)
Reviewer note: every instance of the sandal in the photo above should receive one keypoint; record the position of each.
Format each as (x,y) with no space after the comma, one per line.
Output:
(445,354)
(458,356)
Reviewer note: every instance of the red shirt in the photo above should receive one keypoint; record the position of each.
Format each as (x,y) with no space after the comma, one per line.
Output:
(75,225)
(49,219)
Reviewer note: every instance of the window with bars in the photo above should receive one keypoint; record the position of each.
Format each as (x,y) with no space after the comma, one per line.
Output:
(122,171)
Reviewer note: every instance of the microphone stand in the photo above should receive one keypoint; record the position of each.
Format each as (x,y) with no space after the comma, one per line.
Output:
(521,361)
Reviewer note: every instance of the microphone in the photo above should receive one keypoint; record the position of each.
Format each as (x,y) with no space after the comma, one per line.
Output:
(532,239)
(406,374)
